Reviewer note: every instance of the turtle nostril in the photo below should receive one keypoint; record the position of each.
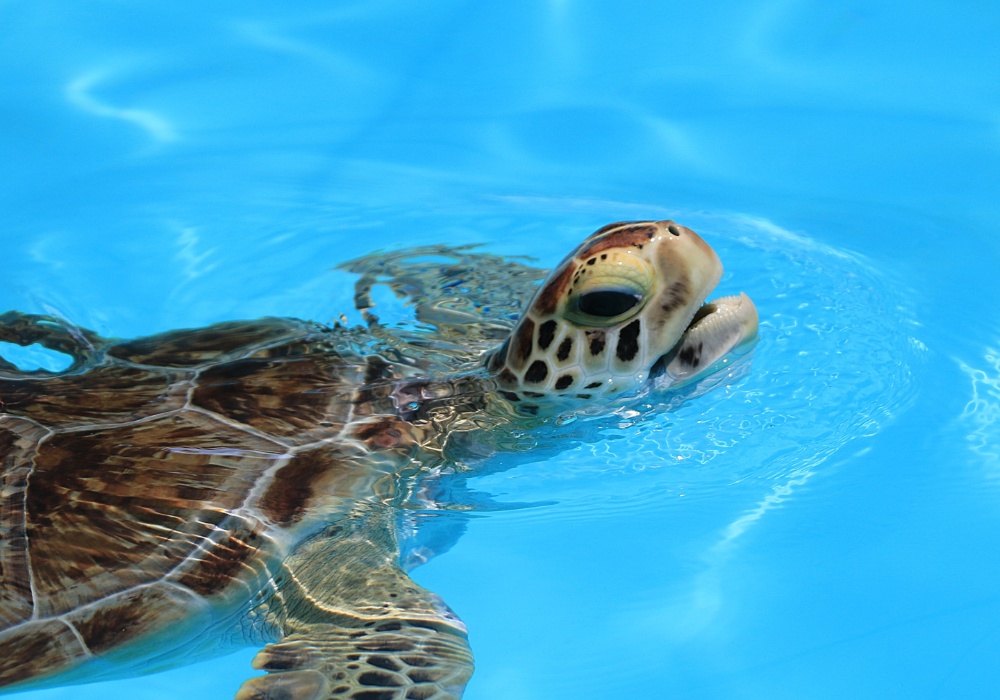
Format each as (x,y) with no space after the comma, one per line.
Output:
(674,229)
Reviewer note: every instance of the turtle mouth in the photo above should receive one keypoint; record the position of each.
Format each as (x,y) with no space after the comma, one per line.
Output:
(659,367)
(719,327)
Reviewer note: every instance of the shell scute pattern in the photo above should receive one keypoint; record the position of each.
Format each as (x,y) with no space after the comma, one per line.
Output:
(255,392)
(120,491)
(108,394)
(217,343)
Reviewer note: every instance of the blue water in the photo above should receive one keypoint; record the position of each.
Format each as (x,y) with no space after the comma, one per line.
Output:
(826,526)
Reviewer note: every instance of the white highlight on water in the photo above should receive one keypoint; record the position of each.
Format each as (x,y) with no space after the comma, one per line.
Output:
(79,93)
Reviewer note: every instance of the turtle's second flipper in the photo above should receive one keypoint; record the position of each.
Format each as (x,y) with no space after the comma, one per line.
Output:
(356,626)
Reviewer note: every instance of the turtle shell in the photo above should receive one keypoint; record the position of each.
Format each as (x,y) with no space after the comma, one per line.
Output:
(170,475)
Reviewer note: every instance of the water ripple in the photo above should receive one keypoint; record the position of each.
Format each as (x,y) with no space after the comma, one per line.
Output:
(79,92)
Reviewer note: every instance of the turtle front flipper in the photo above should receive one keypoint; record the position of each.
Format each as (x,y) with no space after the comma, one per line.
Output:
(465,296)
(356,626)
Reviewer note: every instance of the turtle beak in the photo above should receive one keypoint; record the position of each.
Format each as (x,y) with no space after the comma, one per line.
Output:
(719,328)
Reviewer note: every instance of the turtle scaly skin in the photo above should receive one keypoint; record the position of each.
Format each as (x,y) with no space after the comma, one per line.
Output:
(242,483)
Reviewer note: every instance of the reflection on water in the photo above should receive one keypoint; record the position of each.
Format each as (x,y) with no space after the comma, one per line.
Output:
(80,93)
(982,413)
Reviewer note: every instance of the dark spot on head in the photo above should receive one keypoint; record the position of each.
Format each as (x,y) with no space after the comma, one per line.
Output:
(593,385)
(604,256)
(564,381)
(596,339)
(534,394)
(564,347)
(546,333)
(676,296)
(553,290)
(674,229)
(537,372)
(529,408)
(592,261)
(583,396)
(628,342)
(510,396)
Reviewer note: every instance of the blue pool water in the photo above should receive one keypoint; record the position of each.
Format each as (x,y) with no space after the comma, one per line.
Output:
(824,526)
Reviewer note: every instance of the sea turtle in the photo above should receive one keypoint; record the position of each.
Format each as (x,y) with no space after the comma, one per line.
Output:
(243,483)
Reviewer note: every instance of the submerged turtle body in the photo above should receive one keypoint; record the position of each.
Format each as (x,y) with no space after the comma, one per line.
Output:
(241,483)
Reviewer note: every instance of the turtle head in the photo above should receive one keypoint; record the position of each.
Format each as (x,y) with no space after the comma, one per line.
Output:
(625,306)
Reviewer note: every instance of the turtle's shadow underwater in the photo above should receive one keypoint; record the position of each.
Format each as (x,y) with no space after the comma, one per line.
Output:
(246,483)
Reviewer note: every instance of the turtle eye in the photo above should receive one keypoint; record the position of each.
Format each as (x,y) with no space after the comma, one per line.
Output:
(607,303)
(608,290)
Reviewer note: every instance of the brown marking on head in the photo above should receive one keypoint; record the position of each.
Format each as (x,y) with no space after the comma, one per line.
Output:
(548,298)
(636,235)
(610,227)
(523,342)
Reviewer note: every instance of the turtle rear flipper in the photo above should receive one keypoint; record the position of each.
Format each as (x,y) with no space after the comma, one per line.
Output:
(356,626)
